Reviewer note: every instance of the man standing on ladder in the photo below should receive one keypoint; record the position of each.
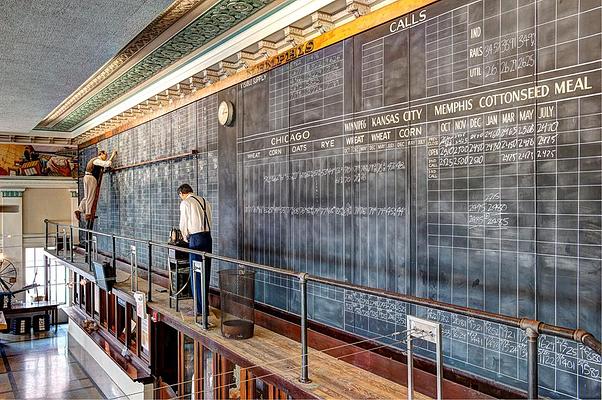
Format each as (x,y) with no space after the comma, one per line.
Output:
(195,224)
(93,170)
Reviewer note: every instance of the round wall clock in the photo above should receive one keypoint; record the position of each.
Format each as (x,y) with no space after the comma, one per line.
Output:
(225,113)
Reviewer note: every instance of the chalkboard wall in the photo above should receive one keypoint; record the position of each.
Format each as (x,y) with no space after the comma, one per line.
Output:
(453,153)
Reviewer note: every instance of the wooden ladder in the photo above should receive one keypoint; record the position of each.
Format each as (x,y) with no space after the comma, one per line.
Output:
(90,223)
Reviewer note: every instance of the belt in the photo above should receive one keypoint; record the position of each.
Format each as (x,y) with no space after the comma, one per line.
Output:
(88,173)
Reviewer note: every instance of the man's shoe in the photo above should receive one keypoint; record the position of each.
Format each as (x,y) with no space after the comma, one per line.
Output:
(78,215)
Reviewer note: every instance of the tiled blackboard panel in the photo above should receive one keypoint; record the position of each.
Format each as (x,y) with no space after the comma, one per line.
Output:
(141,207)
(84,156)
(164,204)
(160,137)
(143,143)
(208,185)
(125,179)
(184,171)
(127,148)
(184,121)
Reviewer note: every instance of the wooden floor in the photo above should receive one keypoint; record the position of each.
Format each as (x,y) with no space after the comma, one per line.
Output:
(331,378)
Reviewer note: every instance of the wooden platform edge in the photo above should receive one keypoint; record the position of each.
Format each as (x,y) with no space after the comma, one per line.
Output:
(142,374)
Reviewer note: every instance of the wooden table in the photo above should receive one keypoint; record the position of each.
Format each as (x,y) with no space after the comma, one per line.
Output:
(32,307)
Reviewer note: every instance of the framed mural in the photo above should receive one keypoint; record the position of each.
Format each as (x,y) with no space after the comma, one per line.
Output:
(37,160)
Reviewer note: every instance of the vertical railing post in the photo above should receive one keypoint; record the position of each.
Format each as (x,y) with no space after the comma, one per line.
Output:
(410,364)
(56,240)
(46,233)
(113,253)
(93,255)
(195,266)
(89,250)
(95,248)
(88,246)
(133,269)
(532,367)
(204,295)
(47,283)
(439,355)
(150,272)
(304,378)
(64,243)
(71,244)
(199,266)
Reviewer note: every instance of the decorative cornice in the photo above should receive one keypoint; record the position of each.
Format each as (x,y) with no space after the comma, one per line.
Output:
(165,20)
(30,139)
(224,15)
(250,64)
(19,183)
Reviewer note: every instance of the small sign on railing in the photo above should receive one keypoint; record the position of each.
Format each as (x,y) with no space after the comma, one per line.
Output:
(418,328)
(140,298)
(133,269)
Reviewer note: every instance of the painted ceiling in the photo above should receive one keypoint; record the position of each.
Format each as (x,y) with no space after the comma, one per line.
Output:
(217,19)
(48,48)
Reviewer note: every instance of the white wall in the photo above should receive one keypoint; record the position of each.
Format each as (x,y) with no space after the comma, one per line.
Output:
(103,370)
(36,199)
(41,203)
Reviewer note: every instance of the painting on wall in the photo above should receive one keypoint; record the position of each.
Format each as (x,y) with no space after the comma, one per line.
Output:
(37,160)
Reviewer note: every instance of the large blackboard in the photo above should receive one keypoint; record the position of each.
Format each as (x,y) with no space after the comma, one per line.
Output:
(454,153)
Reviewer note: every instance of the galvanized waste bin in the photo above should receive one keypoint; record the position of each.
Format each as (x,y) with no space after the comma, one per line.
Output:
(237,294)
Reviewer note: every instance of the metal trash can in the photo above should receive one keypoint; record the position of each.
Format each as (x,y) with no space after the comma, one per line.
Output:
(237,300)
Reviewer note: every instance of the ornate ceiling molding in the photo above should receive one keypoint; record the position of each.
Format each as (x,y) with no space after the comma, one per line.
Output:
(167,18)
(20,184)
(219,18)
(322,27)
(31,139)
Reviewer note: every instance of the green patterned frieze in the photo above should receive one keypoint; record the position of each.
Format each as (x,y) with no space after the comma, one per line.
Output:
(12,193)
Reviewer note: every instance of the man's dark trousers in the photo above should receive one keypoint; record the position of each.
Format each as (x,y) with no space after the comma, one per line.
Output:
(200,241)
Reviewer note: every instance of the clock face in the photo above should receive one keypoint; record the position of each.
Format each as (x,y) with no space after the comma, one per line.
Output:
(225,113)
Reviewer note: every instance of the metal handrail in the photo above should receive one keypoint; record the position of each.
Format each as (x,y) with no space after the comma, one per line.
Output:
(532,328)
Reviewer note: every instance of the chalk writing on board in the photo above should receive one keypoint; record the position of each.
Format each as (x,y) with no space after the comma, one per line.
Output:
(489,213)
(341,211)
(375,307)
(355,173)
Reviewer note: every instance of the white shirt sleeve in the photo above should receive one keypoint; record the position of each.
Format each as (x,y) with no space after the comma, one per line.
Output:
(184,220)
(102,163)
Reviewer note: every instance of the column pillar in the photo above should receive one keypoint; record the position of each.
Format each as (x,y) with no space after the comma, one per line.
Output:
(11,242)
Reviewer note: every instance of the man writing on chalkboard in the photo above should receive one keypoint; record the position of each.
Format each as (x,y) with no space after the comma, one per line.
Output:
(93,170)
(195,224)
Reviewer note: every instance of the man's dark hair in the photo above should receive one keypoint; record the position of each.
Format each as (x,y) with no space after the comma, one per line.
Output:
(184,189)
(102,152)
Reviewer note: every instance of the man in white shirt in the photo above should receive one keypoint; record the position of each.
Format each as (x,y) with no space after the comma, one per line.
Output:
(93,169)
(195,225)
